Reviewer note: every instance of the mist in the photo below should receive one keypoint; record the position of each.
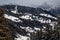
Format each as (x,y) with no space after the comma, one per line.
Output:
(31,2)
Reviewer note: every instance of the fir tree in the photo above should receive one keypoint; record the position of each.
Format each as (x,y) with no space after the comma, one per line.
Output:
(48,33)
(5,33)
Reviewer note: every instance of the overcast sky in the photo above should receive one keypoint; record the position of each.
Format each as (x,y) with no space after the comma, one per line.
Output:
(31,2)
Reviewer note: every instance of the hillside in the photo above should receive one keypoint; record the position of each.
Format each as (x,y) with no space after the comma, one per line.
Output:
(24,20)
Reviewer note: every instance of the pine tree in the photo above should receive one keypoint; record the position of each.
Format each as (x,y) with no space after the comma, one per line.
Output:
(36,36)
(58,25)
(5,33)
(47,33)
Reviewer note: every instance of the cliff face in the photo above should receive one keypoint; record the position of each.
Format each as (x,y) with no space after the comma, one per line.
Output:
(5,33)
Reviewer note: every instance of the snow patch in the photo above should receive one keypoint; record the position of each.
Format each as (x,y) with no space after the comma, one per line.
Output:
(14,11)
(20,37)
(47,15)
(28,29)
(15,19)
(26,17)
(36,28)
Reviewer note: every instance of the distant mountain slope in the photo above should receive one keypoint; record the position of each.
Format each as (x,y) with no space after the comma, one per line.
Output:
(24,20)
(54,10)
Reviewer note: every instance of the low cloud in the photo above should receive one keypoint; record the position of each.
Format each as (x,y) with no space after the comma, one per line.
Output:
(31,2)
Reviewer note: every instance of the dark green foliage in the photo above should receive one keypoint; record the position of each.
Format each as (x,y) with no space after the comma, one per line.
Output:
(48,33)
(5,33)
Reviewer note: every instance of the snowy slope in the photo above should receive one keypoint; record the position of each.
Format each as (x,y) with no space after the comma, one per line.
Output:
(28,21)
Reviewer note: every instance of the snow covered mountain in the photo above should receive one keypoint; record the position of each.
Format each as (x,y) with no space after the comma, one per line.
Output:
(52,9)
(24,20)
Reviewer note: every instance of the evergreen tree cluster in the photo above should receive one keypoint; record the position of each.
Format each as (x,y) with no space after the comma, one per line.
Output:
(47,33)
(5,33)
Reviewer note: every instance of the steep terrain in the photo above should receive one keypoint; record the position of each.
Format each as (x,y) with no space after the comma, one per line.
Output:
(24,20)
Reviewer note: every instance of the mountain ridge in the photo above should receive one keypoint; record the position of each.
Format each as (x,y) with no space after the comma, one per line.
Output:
(27,18)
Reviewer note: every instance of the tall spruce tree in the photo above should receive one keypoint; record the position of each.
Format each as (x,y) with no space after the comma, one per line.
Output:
(5,33)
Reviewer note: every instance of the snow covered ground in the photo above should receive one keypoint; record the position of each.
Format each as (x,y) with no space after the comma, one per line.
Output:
(20,37)
(28,16)
(29,29)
